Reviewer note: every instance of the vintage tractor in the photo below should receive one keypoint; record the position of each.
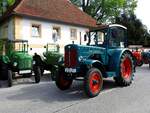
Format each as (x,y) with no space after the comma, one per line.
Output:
(137,56)
(104,56)
(50,59)
(146,57)
(15,62)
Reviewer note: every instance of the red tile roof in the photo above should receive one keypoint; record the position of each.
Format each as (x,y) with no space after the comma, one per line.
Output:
(53,10)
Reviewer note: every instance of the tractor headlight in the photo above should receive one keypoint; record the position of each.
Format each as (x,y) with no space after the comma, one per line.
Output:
(61,59)
(34,62)
(15,64)
(81,59)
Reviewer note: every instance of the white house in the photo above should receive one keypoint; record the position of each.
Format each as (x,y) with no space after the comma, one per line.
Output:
(45,21)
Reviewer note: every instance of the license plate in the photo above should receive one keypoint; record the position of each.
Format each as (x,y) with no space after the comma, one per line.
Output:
(70,70)
(24,71)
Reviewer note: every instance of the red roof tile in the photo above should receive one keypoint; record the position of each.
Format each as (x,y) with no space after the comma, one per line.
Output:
(54,10)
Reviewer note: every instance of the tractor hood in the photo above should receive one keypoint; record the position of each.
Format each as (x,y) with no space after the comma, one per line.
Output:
(84,52)
(21,56)
(22,61)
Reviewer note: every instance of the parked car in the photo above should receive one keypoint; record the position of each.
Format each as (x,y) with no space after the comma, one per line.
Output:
(15,60)
(105,55)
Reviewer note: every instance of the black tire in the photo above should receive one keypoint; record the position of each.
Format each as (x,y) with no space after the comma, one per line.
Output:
(37,74)
(140,63)
(126,70)
(42,71)
(10,78)
(93,82)
(61,80)
(3,71)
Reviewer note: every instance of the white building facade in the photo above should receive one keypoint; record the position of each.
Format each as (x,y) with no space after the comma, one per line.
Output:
(40,23)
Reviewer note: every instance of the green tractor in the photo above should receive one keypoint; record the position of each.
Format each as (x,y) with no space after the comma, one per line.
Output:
(50,60)
(15,62)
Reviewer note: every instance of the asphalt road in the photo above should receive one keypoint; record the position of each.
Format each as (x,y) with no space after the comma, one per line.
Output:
(27,97)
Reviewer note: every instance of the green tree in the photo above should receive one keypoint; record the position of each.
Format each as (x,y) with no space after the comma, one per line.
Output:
(4,4)
(137,32)
(106,10)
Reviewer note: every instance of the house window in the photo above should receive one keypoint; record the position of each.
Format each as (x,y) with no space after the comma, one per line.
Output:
(56,34)
(36,30)
(73,34)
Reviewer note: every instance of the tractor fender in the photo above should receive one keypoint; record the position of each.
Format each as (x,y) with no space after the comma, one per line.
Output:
(5,59)
(115,58)
(89,63)
(38,61)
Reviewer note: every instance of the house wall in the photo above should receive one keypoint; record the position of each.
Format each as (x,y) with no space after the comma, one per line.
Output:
(37,43)
(20,28)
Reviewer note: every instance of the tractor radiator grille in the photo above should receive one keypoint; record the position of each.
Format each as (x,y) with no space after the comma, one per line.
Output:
(25,64)
(71,58)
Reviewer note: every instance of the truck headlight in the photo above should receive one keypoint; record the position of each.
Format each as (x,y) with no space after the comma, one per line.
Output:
(15,64)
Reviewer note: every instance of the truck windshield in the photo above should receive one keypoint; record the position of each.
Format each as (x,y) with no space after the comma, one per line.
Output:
(98,37)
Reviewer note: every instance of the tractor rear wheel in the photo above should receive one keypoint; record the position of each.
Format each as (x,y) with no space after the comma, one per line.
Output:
(10,78)
(61,80)
(93,82)
(37,74)
(126,70)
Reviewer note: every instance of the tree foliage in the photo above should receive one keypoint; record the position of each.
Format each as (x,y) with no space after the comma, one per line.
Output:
(4,4)
(106,10)
(137,32)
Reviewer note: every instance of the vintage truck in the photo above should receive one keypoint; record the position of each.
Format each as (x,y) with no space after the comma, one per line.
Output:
(15,62)
(105,55)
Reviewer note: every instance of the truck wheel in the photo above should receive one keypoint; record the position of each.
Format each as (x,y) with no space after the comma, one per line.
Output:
(126,70)
(61,81)
(93,82)
(10,79)
(37,74)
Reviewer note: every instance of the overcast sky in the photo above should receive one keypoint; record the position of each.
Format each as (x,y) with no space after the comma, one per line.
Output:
(143,12)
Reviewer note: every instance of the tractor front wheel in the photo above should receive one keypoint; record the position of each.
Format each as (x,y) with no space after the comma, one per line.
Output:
(93,82)
(37,74)
(10,78)
(61,80)
(140,63)
(126,70)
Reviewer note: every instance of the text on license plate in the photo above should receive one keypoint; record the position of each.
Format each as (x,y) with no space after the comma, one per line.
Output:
(70,70)
(24,71)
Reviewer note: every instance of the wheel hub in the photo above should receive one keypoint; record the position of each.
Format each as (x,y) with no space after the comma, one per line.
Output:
(95,82)
(126,68)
